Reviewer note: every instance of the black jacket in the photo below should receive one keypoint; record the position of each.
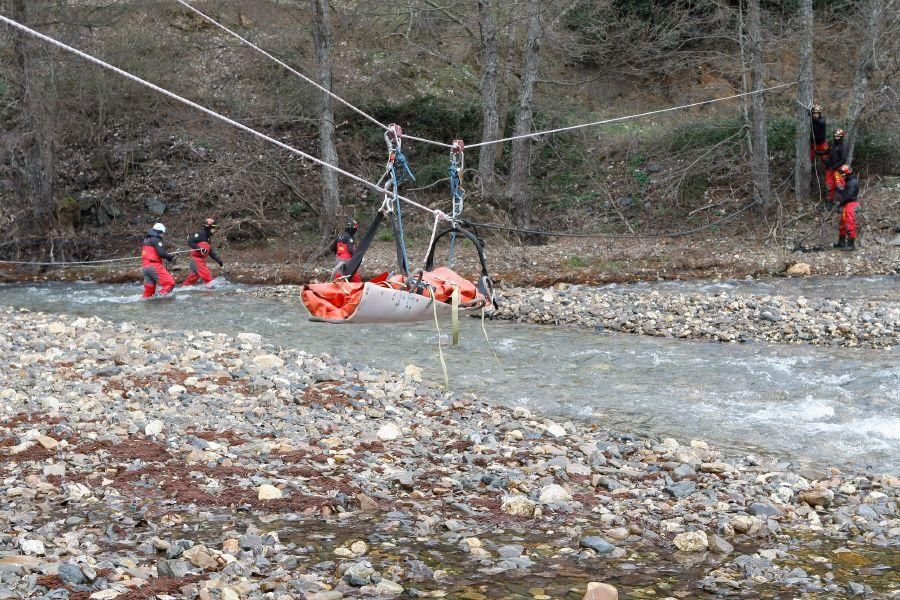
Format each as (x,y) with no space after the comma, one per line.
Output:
(850,191)
(819,130)
(154,239)
(837,156)
(204,235)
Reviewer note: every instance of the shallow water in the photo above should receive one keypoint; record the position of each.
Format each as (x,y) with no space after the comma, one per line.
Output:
(816,406)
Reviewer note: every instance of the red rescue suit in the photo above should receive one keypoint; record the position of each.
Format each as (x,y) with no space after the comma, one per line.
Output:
(344,251)
(848,188)
(199,268)
(837,157)
(152,255)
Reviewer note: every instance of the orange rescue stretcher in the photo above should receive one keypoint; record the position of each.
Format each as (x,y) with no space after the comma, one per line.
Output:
(396,299)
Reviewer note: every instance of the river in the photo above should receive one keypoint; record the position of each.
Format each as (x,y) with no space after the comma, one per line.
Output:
(813,406)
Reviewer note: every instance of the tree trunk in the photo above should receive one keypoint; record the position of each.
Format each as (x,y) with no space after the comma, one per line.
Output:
(331,201)
(34,159)
(517,192)
(490,111)
(802,163)
(865,66)
(759,151)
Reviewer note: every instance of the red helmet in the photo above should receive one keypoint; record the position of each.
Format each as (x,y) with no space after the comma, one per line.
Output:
(845,169)
(838,134)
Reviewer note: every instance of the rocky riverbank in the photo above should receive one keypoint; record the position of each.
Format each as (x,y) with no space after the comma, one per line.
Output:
(723,316)
(138,462)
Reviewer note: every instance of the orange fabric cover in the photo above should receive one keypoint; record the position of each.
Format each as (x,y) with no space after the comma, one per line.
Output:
(339,299)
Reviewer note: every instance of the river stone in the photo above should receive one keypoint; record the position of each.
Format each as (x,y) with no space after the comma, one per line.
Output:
(358,574)
(249,338)
(229,594)
(267,362)
(70,574)
(518,505)
(867,512)
(817,497)
(388,432)
(388,589)
(691,541)
(47,442)
(799,269)
(681,489)
(173,568)
(201,557)
(718,544)
(366,504)
(269,492)
(33,547)
(553,493)
(578,469)
(600,591)
(510,550)
(764,509)
(597,544)
(154,427)
(555,429)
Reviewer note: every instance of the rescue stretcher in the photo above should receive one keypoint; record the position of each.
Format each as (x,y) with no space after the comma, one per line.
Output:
(421,296)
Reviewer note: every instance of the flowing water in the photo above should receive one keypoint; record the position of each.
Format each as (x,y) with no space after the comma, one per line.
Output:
(815,406)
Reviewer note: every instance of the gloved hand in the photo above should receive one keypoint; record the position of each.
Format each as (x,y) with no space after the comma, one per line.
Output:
(172,260)
(221,264)
(204,251)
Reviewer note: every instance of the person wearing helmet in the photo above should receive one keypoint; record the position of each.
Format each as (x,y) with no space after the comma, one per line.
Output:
(819,135)
(344,248)
(848,190)
(153,253)
(201,247)
(837,156)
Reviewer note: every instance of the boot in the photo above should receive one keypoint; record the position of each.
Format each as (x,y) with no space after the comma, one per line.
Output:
(149,290)
(851,244)
(841,243)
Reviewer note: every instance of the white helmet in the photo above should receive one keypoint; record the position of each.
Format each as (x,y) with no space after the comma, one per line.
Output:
(159,227)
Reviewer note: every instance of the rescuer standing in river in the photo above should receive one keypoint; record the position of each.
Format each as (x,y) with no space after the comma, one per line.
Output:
(201,247)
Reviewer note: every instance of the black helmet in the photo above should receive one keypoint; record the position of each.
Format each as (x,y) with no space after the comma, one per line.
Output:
(352,226)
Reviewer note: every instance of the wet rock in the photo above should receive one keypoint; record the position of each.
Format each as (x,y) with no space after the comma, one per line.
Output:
(597,544)
(388,589)
(359,574)
(510,551)
(765,509)
(718,544)
(691,541)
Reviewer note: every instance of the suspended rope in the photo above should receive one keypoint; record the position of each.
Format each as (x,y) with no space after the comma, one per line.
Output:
(612,236)
(457,193)
(293,71)
(629,117)
(290,69)
(79,263)
(212,113)
(396,172)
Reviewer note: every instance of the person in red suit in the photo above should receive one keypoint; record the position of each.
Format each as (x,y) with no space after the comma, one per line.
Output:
(201,247)
(153,253)
(344,248)
(848,190)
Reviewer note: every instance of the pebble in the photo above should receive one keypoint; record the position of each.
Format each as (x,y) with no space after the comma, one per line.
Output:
(270,477)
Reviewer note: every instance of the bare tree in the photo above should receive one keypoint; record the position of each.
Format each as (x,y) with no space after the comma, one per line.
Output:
(759,148)
(330,188)
(33,158)
(865,68)
(520,155)
(490,111)
(802,163)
